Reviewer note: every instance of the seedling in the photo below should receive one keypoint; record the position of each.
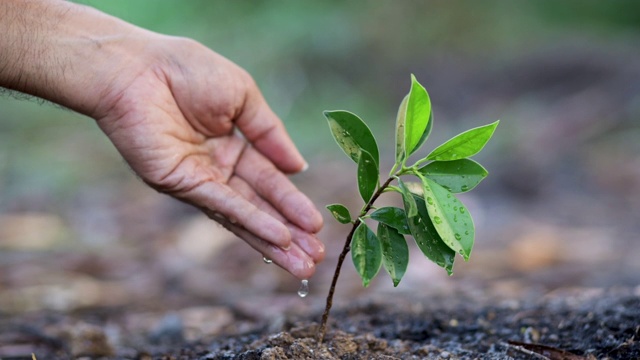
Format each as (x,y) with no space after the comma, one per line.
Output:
(438,222)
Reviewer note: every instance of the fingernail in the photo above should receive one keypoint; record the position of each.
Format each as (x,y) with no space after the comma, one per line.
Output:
(305,167)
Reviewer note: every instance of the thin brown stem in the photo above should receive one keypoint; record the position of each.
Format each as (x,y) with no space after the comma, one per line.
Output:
(343,255)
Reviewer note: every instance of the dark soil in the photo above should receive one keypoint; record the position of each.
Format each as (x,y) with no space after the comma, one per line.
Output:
(578,324)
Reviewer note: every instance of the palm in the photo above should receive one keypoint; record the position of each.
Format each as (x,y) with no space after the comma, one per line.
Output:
(177,132)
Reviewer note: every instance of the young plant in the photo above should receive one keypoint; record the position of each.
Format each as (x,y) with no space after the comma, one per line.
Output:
(438,222)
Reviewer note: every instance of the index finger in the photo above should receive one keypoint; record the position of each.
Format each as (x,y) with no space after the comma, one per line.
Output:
(265,131)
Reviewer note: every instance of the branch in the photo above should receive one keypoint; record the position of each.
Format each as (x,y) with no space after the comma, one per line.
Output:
(343,255)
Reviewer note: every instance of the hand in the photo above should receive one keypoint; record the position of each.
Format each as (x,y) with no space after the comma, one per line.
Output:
(174,119)
(189,122)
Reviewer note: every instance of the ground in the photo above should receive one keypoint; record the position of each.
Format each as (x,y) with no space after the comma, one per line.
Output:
(570,324)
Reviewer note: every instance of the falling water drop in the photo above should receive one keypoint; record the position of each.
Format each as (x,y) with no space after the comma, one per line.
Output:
(267,260)
(304,288)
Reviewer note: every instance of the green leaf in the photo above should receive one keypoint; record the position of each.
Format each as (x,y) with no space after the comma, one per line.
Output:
(456,176)
(340,213)
(426,133)
(465,144)
(368,175)
(395,253)
(418,114)
(450,218)
(427,238)
(352,134)
(400,135)
(409,202)
(392,216)
(366,253)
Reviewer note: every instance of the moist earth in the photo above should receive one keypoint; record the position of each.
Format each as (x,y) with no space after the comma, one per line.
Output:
(569,324)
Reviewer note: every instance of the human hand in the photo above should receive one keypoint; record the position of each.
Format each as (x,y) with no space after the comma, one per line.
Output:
(189,122)
(173,116)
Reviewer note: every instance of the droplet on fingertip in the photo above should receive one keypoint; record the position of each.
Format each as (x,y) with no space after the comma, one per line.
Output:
(304,288)
(267,260)
(305,167)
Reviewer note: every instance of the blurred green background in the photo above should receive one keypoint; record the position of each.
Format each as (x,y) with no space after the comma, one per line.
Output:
(560,207)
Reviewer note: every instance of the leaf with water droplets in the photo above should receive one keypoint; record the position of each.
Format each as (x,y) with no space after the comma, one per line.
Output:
(456,176)
(352,134)
(340,213)
(392,216)
(395,253)
(465,144)
(366,253)
(368,175)
(428,239)
(455,227)
(409,202)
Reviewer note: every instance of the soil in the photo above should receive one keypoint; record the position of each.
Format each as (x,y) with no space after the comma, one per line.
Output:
(570,324)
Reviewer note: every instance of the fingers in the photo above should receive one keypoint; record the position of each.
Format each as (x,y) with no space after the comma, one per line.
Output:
(306,241)
(277,189)
(294,260)
(266,132)
(238,211)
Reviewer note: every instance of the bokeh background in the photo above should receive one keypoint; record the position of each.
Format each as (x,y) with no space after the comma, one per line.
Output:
(559,210)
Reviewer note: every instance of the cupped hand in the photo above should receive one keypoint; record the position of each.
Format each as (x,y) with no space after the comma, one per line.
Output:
(194,125)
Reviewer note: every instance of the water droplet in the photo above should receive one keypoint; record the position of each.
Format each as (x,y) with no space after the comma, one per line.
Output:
(304,288)
(457,236)
(455,208)
(430,200)
(448,195)
(455,218)
(466,232)
(437,220)
(267,260)
(461,210)
(464,188)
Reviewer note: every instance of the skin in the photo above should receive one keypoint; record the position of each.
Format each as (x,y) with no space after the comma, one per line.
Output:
(189,122)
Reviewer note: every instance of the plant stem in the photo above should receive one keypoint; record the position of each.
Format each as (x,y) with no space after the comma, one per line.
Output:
(343,255)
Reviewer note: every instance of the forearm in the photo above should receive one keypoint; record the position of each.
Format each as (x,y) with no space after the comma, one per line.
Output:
(62,52)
